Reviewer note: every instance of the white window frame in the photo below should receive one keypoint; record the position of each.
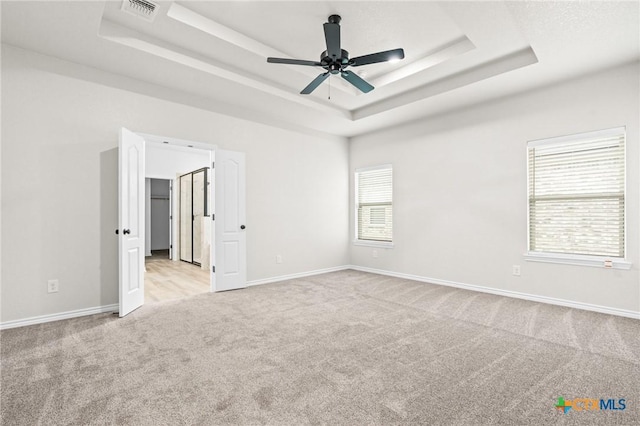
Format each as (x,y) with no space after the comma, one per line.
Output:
(576,259)
(356,240)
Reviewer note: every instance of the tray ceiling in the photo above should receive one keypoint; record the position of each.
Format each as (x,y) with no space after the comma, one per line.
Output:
(212,54)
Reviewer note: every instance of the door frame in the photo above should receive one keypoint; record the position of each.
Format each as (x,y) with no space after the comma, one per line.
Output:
(218,182)
(164,141)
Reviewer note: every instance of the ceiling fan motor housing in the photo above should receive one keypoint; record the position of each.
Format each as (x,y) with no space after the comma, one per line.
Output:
(335,66)
(334,19)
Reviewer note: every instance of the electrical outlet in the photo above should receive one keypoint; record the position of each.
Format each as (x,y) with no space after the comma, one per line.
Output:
(374,253)
(52,286)
(516,270)
(278,258)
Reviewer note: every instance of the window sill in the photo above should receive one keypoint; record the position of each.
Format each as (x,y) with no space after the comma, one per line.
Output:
(579,260)
(380,244)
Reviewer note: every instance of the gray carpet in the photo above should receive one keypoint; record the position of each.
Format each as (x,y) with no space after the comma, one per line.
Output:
(341,348)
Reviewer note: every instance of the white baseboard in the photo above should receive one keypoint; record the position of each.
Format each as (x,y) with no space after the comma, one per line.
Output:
(518,295)
(114,308)
(60,316)
(298,275)
(507,293)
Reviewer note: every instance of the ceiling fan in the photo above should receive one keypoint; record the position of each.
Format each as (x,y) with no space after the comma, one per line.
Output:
(336,60)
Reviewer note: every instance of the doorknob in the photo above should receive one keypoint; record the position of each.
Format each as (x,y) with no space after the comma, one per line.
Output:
(117,231)
(242,226)
(126,231)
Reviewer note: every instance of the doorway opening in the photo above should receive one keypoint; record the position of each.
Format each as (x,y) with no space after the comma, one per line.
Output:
(158,240)
(177,191)
(165,278)
(141,156)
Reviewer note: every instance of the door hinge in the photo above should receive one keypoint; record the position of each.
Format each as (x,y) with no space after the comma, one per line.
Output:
(170,246)
(213,269)
(213,216)
(213,164)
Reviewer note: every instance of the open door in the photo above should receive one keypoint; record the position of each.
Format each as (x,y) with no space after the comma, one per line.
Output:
(230,257)
(131,221)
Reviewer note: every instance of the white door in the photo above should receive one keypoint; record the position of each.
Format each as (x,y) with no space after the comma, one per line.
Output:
(230,257)
(131,221)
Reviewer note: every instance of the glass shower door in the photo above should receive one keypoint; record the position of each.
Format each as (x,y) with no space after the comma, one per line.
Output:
(199,211)
(186,218)
(193,208)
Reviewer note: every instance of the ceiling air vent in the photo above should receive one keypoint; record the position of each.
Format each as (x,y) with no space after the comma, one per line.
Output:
(142,8)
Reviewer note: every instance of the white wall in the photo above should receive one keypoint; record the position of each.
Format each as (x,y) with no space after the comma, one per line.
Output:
(166,161)
(60,129)
(460,187)
(460,200)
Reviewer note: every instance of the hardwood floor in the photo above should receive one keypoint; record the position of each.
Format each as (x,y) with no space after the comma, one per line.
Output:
(169,280)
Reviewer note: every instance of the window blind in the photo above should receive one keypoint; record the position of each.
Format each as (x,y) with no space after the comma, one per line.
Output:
(374,204)
(577,194)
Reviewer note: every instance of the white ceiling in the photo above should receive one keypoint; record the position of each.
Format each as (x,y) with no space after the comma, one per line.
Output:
(212,54)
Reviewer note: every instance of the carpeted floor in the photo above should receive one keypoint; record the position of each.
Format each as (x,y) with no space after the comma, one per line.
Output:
(340,348)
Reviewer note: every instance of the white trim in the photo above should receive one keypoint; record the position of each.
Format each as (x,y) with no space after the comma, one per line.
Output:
(579,260)
(597,134)
(41,319)
(372,243)
(177,144)
(514,294)
(371,168)
(298,275)
(507,293)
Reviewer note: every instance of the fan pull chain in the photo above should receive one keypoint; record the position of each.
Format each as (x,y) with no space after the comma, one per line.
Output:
(329,88)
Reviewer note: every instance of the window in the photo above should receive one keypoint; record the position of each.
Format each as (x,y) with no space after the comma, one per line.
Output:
(374,221)
(577,197)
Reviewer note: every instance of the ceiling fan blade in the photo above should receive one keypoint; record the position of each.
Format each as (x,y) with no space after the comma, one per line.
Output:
(315,83)
(354,79)
(293,62)
(332,37)
(389,55)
